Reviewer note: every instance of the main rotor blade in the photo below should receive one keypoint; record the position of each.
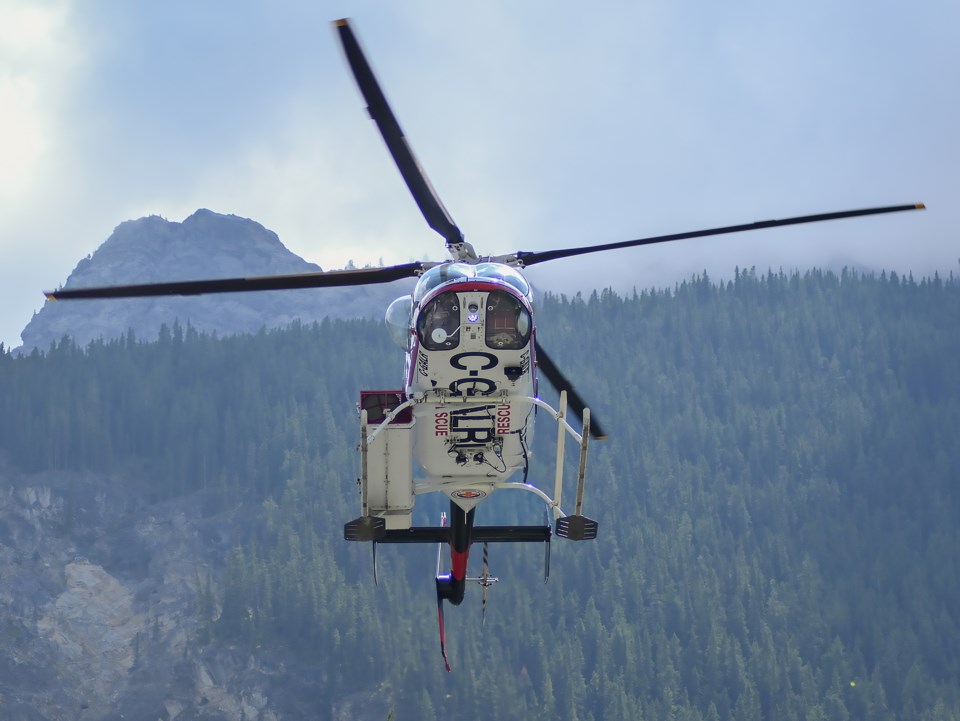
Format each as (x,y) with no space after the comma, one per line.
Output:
(427,199)
(531,258)
(560,382)
(320,279)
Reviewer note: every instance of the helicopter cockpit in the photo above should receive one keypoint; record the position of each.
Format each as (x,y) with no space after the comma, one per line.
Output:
(501,316)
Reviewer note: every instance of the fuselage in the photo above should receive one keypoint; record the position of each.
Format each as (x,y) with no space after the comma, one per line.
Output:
(468,334)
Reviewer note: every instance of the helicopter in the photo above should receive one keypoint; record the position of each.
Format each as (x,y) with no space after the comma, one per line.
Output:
(461,423)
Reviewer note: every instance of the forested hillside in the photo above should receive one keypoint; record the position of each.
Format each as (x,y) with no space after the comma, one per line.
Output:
(778,504)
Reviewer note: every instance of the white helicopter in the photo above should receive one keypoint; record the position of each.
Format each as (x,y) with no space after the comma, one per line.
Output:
(464,414)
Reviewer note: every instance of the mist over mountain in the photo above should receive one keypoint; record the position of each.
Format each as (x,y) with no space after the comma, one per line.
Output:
(205,245)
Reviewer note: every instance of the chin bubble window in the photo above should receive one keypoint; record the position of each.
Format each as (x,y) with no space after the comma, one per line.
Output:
(508,322)
(438,326)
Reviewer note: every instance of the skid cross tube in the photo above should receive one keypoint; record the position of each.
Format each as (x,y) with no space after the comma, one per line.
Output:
(479,534)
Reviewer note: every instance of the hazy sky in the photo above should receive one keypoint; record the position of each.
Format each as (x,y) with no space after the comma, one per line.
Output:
(541,124)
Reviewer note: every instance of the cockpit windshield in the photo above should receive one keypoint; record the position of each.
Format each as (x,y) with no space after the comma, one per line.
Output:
(438,326)
(440,274)
(495,316)
(507,322)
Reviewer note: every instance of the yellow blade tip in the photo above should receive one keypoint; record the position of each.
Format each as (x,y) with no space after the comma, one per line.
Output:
(340,23)
(920,206)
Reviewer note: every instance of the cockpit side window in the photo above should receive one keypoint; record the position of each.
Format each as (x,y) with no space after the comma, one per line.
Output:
(507,322)
(438,326)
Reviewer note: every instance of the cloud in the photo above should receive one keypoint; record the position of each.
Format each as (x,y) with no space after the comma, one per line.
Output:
(539,125)
(35,58)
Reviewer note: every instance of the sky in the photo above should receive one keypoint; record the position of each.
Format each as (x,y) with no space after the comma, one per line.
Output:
(540,124)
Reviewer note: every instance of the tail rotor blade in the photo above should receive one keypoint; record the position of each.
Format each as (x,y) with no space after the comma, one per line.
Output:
(560,382)
(443,633)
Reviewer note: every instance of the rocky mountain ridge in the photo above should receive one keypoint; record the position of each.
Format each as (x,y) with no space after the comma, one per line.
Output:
(101,610)
(204,245)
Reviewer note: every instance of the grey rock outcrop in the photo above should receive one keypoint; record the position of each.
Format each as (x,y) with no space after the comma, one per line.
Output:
(205,245)
(101,616)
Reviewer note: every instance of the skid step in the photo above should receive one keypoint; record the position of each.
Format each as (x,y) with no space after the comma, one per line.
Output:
(577,528)
(365,528)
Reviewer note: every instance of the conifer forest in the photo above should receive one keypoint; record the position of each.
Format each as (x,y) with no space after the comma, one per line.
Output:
(778,500)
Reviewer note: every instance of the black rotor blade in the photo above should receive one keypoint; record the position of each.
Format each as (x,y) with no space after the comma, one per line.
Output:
(531,258)
(443,630)
(559,381)
(320,279)
(427,199)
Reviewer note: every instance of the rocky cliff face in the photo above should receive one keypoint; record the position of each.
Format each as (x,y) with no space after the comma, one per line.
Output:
(205,245)
(101,617)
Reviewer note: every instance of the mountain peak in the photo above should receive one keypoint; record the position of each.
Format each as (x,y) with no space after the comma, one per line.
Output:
(206,244)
